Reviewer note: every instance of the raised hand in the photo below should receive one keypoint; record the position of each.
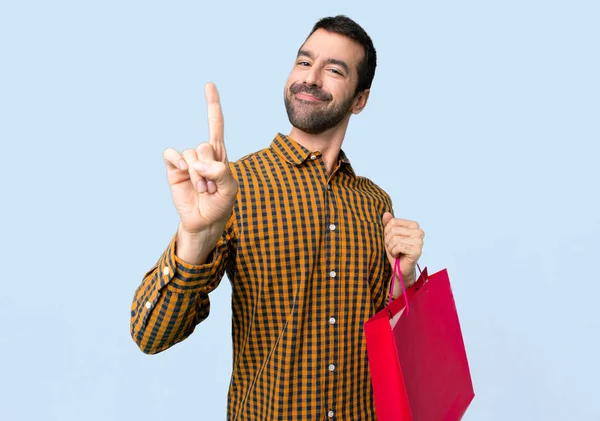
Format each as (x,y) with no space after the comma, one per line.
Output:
(202,186)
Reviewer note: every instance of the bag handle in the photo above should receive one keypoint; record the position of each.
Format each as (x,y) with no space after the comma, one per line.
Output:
(398,272)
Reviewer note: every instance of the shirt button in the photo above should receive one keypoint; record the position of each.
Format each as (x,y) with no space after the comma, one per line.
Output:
(332,321)
(331,367)
(332,273)
(148,304)
(166,271)
(313,157)
(332,227)
(330,414)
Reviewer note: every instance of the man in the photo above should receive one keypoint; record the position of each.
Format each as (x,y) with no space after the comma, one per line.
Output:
(307,245)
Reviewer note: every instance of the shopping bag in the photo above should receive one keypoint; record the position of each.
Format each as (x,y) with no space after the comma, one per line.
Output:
(417,358)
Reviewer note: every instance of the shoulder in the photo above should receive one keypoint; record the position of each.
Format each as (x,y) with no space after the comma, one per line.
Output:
(255,161)
(373,190)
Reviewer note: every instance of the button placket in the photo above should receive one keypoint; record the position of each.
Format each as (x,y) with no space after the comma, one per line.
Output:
(333,291)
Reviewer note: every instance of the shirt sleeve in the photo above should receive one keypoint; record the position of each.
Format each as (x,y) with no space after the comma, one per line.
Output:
(381,297)
(173,296)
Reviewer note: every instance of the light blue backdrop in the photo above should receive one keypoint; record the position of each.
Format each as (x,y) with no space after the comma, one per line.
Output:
(483,125)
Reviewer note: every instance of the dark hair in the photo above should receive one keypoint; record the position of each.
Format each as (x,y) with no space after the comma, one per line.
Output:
(343,25)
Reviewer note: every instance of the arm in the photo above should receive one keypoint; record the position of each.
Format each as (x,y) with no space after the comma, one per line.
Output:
(173,296)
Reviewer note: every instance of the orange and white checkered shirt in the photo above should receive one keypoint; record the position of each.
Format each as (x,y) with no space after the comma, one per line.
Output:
(304,252)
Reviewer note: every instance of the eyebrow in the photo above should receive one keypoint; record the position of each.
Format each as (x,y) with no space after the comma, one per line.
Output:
(335,61)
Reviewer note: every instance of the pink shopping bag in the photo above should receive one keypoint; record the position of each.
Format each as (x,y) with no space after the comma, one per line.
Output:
(417,358)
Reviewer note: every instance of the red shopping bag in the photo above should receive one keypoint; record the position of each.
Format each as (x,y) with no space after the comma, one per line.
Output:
(417,359)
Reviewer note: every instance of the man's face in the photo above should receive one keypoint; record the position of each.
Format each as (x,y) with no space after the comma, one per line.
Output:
(320,91)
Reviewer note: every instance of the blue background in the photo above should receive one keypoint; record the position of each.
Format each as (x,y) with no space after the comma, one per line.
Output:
(482,124)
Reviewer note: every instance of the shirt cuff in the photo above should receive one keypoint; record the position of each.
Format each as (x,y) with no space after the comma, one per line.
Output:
(182,277)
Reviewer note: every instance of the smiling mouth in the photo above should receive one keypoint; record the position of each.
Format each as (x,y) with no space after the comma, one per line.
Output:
(303,96)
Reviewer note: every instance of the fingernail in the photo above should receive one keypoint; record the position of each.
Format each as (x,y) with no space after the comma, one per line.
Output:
(201,187)
(200,167)
(183,165)
(211,186)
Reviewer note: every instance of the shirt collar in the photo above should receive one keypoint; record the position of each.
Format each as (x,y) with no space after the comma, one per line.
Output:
(296,154)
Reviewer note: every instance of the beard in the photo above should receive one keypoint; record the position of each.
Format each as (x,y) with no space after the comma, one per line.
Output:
(314,118)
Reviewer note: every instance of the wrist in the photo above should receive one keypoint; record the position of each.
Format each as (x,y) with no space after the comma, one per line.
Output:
(411,278)
(194,247)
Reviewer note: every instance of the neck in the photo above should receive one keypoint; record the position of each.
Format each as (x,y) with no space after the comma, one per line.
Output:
(329,143)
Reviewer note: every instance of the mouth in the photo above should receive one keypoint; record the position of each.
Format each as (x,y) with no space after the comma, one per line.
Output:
(308,94)
(303,96)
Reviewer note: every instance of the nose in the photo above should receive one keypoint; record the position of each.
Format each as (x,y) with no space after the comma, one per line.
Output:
(312,77)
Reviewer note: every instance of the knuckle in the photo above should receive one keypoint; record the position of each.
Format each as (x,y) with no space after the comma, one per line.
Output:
(171,155)
(221,168)
(188,153)
(390,241)
(205,149)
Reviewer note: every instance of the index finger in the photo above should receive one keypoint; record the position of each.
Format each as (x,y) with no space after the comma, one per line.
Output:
(405,223)
(215,122)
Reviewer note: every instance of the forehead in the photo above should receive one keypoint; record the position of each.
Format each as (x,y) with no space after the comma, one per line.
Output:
(330,45)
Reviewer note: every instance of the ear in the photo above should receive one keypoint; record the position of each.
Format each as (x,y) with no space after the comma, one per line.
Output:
(361,101)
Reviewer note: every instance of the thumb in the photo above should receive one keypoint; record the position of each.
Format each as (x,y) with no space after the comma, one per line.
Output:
(216,171)
(386,218)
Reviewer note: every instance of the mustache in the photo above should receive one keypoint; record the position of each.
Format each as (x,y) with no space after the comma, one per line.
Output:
(311,90)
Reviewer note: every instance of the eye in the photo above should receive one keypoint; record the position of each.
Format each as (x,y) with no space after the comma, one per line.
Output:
(336,71)
(303,63)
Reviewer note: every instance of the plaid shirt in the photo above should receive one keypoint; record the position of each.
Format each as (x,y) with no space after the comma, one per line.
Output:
(305,256)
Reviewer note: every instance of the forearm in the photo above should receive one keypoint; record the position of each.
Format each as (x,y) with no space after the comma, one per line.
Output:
(195,248)
(163,318)
(173,298)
